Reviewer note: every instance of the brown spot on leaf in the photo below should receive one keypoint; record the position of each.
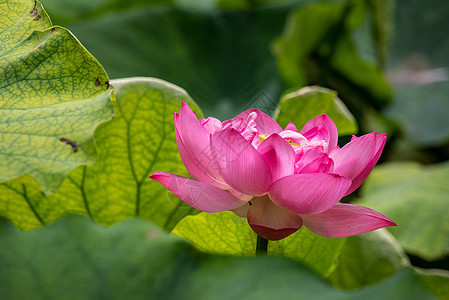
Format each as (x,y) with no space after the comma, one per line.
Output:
(70,142)
(37,18)
(53,30)
(34,7)
(107,84)
(39,47)
(97,82)
(34,13)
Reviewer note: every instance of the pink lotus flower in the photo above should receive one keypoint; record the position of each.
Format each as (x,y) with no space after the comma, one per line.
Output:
(279,179)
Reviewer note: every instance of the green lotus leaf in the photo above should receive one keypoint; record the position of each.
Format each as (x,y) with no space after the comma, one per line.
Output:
(227,234)
(138,141)
(321,254)
(219,233)
(53,95)
(367,259)
(76,259)
(304,104)
(415,197)
(436,280)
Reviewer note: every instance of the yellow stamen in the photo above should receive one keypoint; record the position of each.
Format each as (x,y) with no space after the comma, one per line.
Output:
(263,137)
(293,143)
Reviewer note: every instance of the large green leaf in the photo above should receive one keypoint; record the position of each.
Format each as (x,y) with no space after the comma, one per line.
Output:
(18,20)
(436,281)
(415,197)
(319,253)
(138,141)
(404,285)
(367,259)
(219,233)
(76,259)
(302,105)
(53,94)
(226,233)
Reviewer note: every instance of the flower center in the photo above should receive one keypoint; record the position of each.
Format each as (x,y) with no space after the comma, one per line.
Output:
(263,137)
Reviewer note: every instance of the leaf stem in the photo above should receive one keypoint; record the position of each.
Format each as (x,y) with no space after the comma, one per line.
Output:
(261,246)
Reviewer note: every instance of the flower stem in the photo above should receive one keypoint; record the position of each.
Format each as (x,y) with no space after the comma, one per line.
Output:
(261,246)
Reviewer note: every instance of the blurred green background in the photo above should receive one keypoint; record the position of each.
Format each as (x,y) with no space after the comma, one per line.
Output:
(386,59)
(230,55)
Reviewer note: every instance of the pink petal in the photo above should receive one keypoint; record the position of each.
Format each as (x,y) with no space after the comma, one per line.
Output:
(309,193)
(192,166)
(357,181)
(322,164)
(199,195)
(335,150)
(201,167)
(239,195)
(291,126)
(329,124)
(196,141)
(318,134)
(241,166)
(265,124)
(346,220)
(195,138)
(312,160)
(211,124)
(270,221)
(354,157)
(279,156)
